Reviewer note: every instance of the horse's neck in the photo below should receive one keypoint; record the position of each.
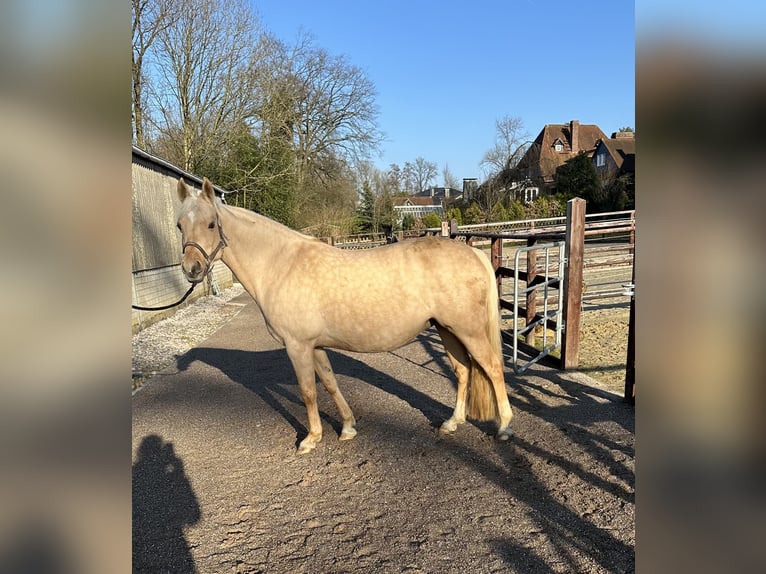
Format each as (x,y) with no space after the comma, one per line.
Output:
(256,246)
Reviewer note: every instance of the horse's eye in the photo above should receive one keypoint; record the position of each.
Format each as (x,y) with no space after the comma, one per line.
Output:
(178,225)
(211,225)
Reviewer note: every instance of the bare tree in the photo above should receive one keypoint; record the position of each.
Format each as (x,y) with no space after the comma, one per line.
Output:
(394,179)
(149,18)
(409,180)
(335,111)
(510,140)
(448,178)
(204,84)
(424,173)
(284,123)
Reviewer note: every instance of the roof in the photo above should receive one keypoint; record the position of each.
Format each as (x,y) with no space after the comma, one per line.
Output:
(549,159)
(146,156)
(415,200)
(588,136)
(623,152)
(439,192)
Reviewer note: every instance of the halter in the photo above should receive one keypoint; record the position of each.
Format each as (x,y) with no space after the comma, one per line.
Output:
(208,263)
(209,259)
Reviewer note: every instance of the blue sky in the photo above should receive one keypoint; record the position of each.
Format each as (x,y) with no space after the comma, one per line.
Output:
(446,71)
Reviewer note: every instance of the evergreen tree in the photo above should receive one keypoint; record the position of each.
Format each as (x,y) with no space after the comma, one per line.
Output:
(431,220)
(578,178)
(408,221)
(472,215)
(456,214)
(365,213)
(516,211)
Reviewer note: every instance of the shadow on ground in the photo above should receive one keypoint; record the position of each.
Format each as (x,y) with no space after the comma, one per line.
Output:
(560,467)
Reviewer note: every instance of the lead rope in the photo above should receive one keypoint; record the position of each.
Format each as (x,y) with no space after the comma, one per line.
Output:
(181,300)
(221,244)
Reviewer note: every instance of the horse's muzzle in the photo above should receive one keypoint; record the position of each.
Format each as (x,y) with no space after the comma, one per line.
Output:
(197,270)
(195,273)
(193,269)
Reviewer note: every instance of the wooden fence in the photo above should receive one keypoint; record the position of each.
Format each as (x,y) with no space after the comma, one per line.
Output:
(603,241)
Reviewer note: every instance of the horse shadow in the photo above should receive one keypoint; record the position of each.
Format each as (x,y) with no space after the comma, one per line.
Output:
(269,375)
(163,504)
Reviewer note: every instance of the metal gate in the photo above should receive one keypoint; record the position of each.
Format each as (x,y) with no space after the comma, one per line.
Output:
(550,283)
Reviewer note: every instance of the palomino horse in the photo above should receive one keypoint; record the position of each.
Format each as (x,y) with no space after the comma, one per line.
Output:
(314,296)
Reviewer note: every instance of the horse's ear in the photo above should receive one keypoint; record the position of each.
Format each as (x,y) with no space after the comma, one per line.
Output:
(207,190)
(183,191)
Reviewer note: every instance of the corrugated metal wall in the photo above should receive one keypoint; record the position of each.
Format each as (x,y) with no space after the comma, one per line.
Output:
(157,277)
(156,241)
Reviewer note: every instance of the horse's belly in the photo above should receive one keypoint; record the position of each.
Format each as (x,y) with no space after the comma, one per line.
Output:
(372,336)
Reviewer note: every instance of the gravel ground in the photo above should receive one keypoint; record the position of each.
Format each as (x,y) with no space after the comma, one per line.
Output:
(155,348)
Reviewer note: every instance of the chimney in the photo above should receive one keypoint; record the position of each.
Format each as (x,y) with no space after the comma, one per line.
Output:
(574,132)
(469,187)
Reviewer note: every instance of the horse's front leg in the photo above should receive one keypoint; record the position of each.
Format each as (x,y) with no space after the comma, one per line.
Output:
(302,358)
(326,375)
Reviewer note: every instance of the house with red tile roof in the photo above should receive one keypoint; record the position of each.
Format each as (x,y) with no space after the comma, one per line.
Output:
(554,146)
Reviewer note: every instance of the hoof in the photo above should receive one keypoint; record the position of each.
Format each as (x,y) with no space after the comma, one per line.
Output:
(347,434)
(504,434)
(307,445)
(448,427)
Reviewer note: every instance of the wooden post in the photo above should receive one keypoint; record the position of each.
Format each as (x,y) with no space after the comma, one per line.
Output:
(575,245)
(497,261)
(531,295)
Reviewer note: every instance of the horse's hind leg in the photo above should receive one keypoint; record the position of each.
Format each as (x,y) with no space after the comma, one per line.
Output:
(302,359)
(461,364)
(482,352)
(327,376)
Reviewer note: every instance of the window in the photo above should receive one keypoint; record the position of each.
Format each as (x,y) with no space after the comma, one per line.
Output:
(558,147)
(601,159)
(530,194)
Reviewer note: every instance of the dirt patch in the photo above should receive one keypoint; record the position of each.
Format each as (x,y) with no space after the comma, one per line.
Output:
(604,345)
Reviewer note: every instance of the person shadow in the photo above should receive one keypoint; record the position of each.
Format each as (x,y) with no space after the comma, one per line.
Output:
(163,504)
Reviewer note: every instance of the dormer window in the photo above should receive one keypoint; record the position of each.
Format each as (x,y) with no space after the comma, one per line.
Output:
(558,145)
